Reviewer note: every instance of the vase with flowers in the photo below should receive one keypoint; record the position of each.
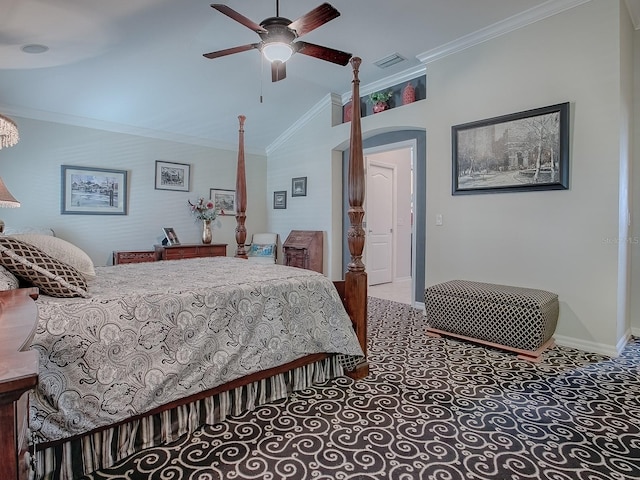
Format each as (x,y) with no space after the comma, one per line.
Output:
(380,100)
(204,210)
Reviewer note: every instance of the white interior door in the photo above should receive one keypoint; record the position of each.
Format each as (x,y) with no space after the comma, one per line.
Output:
(379,210)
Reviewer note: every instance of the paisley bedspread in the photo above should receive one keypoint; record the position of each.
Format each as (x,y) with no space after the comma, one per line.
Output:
(152,333)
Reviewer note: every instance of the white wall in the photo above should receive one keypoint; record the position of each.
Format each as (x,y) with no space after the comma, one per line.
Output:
(624,202)
(563,241)
(308,155)
(634,234)
(31,170)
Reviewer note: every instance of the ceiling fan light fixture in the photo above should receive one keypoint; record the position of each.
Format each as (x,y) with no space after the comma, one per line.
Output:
(277,51)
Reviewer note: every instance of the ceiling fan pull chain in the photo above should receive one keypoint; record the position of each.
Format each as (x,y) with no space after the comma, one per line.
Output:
(261,75)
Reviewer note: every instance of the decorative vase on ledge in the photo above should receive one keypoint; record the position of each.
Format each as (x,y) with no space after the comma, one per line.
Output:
(207,236)
(380,107)
(408,94)
(348,112)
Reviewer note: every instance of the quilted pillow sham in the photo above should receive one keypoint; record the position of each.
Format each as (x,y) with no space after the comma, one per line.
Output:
(61,250)
(51,276)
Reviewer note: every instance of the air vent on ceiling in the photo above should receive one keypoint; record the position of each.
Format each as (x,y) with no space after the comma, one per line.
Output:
(389,60)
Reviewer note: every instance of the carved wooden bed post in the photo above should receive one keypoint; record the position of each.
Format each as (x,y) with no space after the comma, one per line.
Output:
(356,276)
(241,194)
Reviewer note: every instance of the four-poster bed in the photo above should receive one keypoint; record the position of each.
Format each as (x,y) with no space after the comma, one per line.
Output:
(330,339)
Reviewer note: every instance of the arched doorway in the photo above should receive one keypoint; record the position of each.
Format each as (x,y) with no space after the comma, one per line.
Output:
(379,143)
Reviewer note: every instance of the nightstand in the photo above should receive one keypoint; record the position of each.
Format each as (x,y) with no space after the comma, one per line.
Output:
(18,375)
(177,252)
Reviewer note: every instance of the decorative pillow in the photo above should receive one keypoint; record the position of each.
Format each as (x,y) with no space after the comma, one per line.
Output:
(61,250)
(51,276)
(260,250)
(8,280)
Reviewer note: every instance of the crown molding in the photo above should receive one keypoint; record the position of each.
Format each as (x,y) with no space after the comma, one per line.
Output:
(535,14)
(84,122)
(633,6)
(301,122)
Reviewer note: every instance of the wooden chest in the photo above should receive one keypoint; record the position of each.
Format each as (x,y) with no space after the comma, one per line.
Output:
(303,249)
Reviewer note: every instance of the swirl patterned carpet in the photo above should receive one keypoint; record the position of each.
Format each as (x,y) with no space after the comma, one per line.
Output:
(431,409)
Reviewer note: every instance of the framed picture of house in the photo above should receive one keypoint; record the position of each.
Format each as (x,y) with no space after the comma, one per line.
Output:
(224,200)
(299,187)
(522,151)
(93,191)
(280,199)
(172,176)
(171,236)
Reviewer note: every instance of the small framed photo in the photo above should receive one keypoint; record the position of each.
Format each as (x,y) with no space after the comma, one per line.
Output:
(280,199)
(171,236)
(224,200)
(93,191)
(299,187)
(172,176)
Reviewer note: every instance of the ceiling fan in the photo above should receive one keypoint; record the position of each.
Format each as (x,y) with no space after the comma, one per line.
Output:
(277,36)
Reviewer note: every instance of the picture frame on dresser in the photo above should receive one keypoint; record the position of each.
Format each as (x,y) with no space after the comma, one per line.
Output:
(93,191)
(172,176)
(524,151)
(171,236)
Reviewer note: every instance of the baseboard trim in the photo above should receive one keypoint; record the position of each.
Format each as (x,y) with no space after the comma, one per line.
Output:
(584,345)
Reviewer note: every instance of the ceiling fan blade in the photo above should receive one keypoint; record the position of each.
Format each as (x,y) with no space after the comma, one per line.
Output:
(323,53)
(278,71)
(231,13)
(315,18)
(229,51)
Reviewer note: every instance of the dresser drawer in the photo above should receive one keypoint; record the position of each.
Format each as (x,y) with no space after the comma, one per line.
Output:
(178,252)
(134,257)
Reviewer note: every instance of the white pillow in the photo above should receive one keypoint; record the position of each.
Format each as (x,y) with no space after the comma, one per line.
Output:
(8,280)
(61,250)
(8,230)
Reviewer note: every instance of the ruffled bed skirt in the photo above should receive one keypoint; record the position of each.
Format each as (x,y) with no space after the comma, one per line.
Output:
(75,458)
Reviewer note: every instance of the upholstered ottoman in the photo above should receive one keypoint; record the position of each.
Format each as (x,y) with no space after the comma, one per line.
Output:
(519,319)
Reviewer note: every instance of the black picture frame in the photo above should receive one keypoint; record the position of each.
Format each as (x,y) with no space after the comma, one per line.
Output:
(280,199)
(172,176)
(299,187)
(524,151)
(93,191)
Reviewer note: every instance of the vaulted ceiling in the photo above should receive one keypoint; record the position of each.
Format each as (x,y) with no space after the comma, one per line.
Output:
(137,65)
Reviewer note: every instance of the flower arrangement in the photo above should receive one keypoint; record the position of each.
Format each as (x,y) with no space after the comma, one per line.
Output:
(203,209)
(380,96)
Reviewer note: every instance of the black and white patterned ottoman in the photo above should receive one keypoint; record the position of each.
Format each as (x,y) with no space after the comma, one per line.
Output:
(519,319)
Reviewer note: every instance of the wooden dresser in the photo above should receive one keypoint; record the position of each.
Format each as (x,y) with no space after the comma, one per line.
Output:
(18,375)
(303,249)
(177,252)
(173,252)
(139,256)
